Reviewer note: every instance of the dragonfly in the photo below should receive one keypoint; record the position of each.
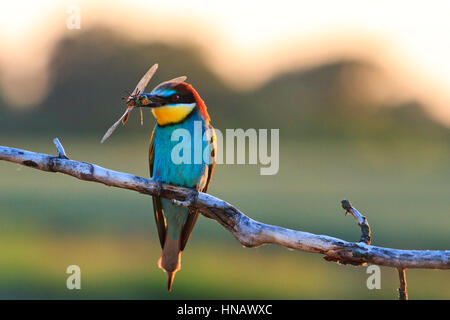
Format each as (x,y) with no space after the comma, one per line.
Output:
(133,99)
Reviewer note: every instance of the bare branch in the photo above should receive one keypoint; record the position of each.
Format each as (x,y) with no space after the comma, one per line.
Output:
(402,290)
(247,231)
(362,221)
(60,148)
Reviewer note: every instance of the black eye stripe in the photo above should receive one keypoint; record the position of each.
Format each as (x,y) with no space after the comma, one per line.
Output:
(178,98)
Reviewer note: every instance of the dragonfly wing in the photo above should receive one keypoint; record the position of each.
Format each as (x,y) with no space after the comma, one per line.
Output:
(142,84)
(114,126)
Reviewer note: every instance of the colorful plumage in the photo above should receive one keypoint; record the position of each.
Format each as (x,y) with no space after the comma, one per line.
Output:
(178,110)
(178,106)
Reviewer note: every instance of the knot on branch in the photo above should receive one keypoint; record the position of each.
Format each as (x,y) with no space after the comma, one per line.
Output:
(347,256)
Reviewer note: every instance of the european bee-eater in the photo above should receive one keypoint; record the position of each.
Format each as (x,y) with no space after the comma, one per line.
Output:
(178,109)
(176,105)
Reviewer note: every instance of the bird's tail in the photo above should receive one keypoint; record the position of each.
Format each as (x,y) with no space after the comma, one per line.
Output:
(170,258)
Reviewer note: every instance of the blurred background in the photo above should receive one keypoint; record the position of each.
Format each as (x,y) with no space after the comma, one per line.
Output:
(360,91)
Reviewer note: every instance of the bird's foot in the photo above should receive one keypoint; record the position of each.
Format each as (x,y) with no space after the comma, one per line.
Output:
(190,200)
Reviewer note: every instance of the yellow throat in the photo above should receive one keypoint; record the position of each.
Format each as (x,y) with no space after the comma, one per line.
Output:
(172,113)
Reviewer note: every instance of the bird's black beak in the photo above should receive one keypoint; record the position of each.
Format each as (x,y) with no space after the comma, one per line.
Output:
(154,101)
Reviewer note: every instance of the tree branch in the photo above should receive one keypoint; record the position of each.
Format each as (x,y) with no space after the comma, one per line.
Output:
(247,231)
(60,148)
(402,290)
(362,221)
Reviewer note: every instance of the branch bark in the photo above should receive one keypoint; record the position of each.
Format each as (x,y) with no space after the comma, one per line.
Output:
(247,231)
(402,289)
(362,221)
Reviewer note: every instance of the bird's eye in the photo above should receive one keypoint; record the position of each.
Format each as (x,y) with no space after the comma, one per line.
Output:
(175,97)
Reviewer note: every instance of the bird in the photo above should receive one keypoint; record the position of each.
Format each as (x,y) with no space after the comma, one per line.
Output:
(178,110)
(176,105)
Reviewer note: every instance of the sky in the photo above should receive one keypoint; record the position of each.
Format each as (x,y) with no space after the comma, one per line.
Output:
(246,42)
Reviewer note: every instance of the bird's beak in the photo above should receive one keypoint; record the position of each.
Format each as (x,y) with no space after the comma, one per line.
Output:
(153,101)
(150,101)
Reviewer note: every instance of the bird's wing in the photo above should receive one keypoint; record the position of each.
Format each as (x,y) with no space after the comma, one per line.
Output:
(212,162)
(157,206)
(193,214)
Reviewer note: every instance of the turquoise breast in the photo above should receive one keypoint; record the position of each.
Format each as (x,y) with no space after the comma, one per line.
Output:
(169,151)
(168,141)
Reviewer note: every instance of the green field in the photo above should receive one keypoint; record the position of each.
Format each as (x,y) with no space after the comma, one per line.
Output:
(49,221)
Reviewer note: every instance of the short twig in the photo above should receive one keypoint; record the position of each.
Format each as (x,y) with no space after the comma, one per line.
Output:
(362,221)
(402,290)
(60,148)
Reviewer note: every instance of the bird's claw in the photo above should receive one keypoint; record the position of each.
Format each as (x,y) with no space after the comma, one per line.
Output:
(190,200)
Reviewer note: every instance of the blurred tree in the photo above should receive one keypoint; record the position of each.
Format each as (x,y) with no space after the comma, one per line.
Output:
(90,72)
